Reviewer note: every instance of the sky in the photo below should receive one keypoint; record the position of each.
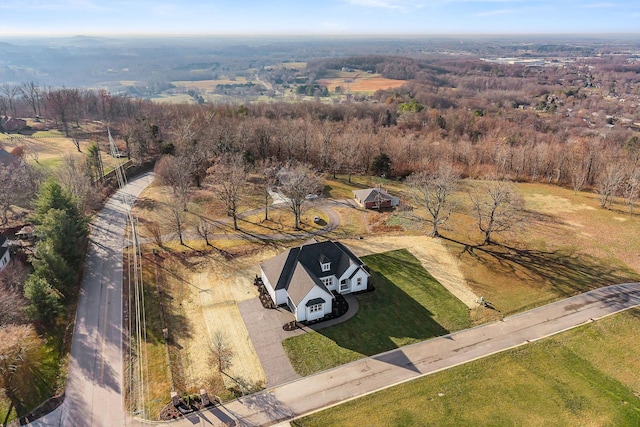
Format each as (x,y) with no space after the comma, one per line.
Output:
(317,17)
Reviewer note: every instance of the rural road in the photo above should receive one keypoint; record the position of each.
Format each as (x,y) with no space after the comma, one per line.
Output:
(375,373)
(94,391)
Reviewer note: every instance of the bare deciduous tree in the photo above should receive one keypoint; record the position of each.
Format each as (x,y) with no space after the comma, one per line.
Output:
(176,172)
(14,275)
(631,188)
(433,191)
(77,182)
(296,182)
(229,177)
(10,91)
(14,188)
(498,208)
(12,306)
(221,351)
(63,106)
(153,228)
(20,361)
(31,93)
(270,171)
(204,229)
(177,218)
(609,184)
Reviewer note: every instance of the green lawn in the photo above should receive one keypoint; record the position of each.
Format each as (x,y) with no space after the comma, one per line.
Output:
(584,377)
(407,306)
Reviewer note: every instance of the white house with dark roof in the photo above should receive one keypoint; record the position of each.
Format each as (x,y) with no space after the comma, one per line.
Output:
(304,277)
(5,256)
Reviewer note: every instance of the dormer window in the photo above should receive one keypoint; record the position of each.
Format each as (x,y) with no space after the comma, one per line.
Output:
(325,264)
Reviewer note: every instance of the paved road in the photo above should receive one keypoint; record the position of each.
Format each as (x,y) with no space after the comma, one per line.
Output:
(384,370)
(95,381)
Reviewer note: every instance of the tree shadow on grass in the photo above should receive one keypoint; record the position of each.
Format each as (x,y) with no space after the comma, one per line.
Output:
(569,273)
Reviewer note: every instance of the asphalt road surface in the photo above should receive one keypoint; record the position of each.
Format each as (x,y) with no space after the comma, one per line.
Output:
(94,391)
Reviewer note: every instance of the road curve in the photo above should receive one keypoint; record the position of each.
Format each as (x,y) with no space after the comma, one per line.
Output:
(378,372)
(94,390)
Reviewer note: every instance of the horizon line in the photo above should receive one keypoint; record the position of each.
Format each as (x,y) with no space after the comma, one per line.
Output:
(316,35)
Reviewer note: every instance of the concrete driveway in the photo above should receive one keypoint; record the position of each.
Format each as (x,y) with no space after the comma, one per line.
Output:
(266,333)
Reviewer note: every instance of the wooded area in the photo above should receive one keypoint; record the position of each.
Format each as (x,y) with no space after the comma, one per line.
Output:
(571,122)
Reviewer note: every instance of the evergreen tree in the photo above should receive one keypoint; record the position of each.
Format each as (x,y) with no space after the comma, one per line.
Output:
(381,165)
(45,302)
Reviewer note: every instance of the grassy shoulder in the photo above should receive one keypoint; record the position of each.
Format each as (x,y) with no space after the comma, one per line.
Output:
(407,306)
(586,376)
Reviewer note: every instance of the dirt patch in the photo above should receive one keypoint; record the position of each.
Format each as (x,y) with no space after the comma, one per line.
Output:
(434,257)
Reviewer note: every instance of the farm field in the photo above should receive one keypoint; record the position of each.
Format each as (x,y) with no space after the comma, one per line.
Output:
(208,85)
(586,376)
(359,81)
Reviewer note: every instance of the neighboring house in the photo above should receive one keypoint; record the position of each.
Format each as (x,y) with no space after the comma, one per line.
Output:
(12,124)
(26,233)
(375,198)
(304,277)
(5,256)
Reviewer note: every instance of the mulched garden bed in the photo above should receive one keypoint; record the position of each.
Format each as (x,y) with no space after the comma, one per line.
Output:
(265,298)
(185,407)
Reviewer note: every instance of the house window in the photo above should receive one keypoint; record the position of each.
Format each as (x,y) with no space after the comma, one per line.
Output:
(327,281)
(326,266)
(359,282)
(315,308)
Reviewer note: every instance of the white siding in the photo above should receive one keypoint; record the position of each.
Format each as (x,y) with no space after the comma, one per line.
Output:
(281,296)
(302,311)
(361,274)
(267,284)
(5,260)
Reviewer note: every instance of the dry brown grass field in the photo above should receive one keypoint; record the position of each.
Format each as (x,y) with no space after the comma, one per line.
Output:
(364,82)
(49,147)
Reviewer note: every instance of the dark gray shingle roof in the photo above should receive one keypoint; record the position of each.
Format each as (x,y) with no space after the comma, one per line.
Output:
(298,270)
(370,195)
